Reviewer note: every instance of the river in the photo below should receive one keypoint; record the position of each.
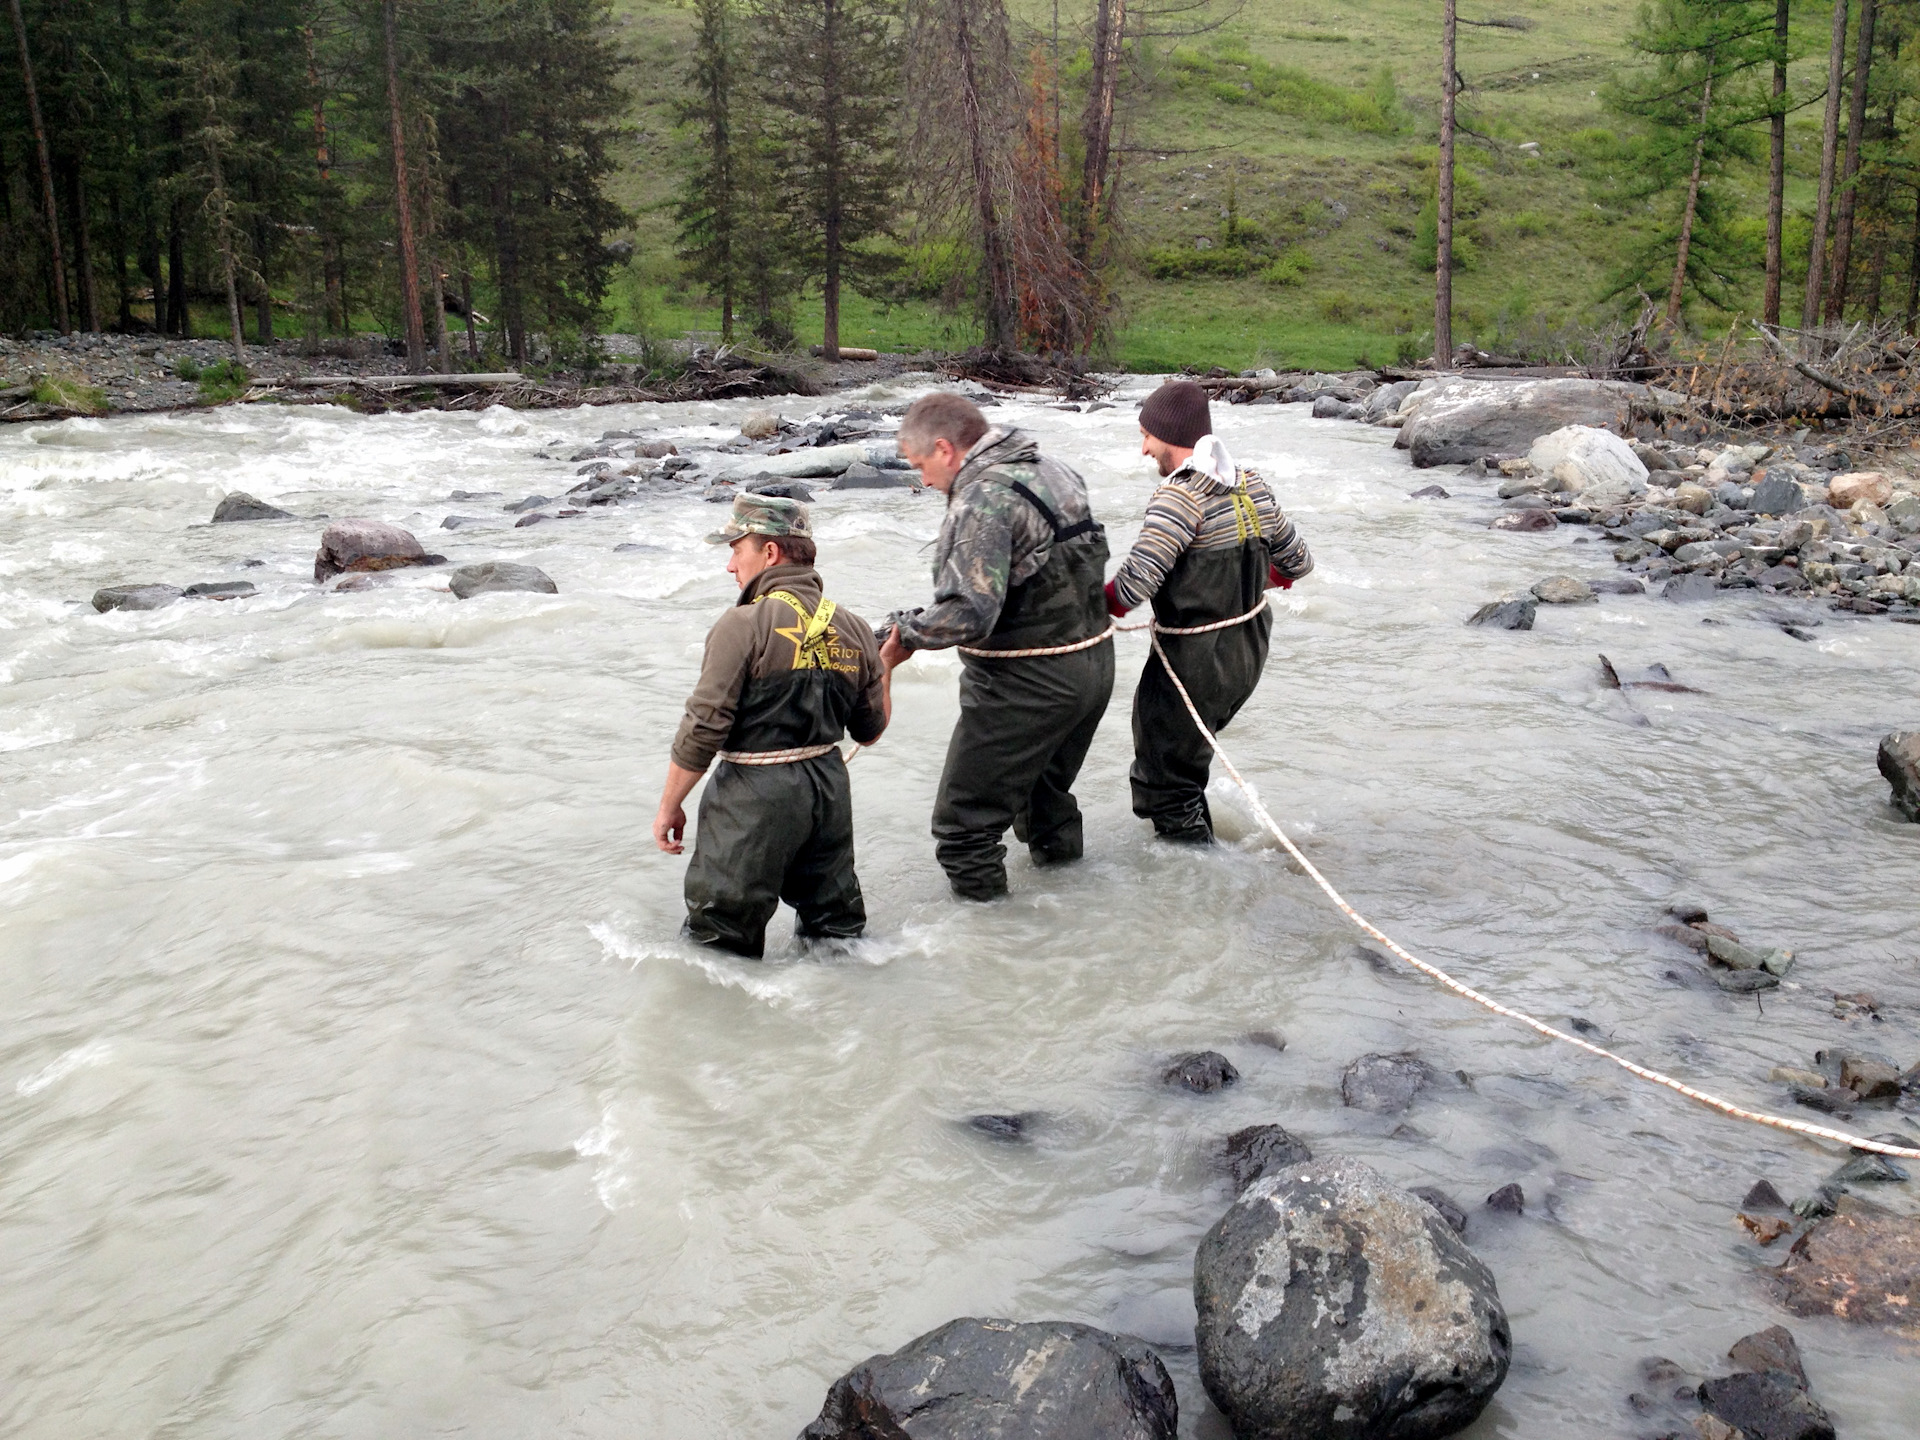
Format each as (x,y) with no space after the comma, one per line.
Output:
(353,1081)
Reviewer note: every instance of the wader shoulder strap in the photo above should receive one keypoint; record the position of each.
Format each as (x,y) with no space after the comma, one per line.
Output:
(810,635)
(1246,515)
(1061,533)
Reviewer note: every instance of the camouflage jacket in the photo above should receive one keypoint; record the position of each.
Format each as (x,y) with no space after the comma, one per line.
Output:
(991,539)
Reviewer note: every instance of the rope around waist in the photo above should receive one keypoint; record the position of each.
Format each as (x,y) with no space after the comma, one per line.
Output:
(1107,634)
(776,757)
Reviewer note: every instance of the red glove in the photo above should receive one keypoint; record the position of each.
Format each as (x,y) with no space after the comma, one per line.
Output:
(1275,580)
(1114,607)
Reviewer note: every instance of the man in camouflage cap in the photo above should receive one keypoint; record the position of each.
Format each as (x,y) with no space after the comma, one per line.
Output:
(786,673)
(1019,565)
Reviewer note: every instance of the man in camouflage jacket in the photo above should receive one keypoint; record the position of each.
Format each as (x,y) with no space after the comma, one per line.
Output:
(1018,565)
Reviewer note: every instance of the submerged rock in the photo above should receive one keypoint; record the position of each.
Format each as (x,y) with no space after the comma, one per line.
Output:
(997,1380)
(1002,1127)
(1334,1305)
(238,505)
(1385,1084)
(1506,614)
(367,545)
(1260,1149)
(1203,1072)
(1526,520)
(135,597)
(1508,1200)
(483,579)
(1429,492)
(1900,763)
(220,590)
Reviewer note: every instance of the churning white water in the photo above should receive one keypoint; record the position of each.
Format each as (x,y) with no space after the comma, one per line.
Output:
(353,1081)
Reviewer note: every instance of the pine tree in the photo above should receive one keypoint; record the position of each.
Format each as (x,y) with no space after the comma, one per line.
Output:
(1696,102)
(711,234)
(828,70)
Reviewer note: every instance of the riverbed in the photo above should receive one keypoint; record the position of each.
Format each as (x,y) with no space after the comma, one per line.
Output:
(354,1081)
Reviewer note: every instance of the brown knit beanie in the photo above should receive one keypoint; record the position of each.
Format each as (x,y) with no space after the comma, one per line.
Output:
(1177,413)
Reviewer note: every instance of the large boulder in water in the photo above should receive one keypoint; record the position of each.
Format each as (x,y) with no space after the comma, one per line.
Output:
(997,1380)
(367,545)
(1335,1305)
(483,579)
(1861,1264)
(1458,420)
(135,597)
(1581,459)
(238,505)
(1899,762)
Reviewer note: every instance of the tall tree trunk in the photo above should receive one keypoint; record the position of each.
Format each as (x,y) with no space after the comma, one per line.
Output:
(830,120)
(1693,203)
(1777,161)
(998,274)
(223,237)
(1913,266)
(117,221)
(1850,172)
(1443,197)
(55,258)
(1883,196)
(178,315)
(466,302)
(1829,144)
(83,251)
(403,202)
(1096,124)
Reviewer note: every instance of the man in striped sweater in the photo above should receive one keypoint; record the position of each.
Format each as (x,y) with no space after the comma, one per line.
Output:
(1213,542)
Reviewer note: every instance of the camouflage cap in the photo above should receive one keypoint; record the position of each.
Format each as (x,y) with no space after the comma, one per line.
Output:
(774,516)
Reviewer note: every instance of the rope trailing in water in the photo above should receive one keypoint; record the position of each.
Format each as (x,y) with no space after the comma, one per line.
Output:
(1434,972)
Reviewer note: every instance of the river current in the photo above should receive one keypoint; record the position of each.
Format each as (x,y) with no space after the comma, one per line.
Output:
(354,1081)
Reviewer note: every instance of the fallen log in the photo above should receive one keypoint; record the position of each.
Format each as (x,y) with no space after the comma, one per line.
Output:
(848,352)
(407,381)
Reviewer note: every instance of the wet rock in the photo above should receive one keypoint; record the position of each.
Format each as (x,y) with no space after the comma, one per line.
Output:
(1734,956)
(1846,491)
(238,505)
(1387,399)
(1385,1084)
(997,1380)
(1794,1075)
(1769,1405)
(1429,492)
(1617,585)
(1688,912)
(1002,1127)
(1766,1229)
(785,489)
(1900,763)
(467,522)
(1525,521)
(1781,577)
(1563,590)
(1506,614)
(1203,1072)
(532,502)
(868,477)
(1454,420)
(1328,407)
(1261,1149)
(1508,1200)
(536,518)
(1870,1169)
(367,545)
(1745,982)
(1871,1077)
(1444,1207)
(1771,1349)
(484,579)
(220,590)
(135,597)
(655,449)
(1689,587)
(1827,1099)
(761,425)
(1332,1304)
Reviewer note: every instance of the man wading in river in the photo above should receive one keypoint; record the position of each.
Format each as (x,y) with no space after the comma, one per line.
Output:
(785,675)
(1212,543)
(1017,566)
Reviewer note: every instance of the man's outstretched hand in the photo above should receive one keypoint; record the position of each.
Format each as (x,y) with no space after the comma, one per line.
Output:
(892,653)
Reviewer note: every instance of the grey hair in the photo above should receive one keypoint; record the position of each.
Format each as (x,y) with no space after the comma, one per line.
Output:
(942,415)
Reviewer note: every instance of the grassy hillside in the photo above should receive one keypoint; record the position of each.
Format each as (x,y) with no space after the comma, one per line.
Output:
(1317,137)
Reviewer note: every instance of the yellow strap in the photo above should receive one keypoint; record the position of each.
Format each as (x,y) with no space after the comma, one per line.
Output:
(1246,515)
(810,637)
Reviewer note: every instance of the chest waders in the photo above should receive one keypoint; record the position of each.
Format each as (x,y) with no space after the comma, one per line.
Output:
(1171,760)
(1025,724)
(776,817)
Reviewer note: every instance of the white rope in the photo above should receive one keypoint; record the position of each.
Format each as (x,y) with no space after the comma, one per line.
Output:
(1726,1107)
(776,757)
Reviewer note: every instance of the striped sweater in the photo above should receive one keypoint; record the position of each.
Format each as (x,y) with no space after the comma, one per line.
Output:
(1194,511)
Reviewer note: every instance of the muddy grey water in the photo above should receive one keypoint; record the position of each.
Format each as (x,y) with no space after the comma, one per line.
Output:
(353,1081)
